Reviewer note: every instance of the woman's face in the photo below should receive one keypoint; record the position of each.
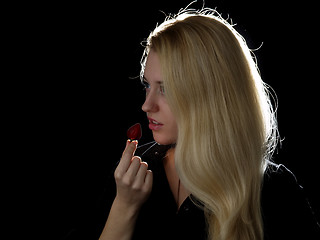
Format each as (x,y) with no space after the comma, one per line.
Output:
(161,120)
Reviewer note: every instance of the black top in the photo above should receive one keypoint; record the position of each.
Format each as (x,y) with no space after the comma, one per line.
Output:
(286,212)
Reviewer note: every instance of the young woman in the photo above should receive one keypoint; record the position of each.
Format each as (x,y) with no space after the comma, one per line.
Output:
(208,175)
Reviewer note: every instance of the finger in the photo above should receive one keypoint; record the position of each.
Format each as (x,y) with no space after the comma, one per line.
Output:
(148,181)
(131,147)
(142,172)
(127,156)
(133,169)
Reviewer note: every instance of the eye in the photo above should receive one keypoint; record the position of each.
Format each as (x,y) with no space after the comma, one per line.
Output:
(146,85)
(162,91)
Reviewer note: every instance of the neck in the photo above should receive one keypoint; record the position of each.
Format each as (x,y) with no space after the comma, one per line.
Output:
(177,188)
(170,155)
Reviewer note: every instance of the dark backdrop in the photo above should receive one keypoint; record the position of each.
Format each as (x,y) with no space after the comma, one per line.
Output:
(81,61)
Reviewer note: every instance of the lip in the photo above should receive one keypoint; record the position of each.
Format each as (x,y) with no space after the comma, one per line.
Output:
(154,125)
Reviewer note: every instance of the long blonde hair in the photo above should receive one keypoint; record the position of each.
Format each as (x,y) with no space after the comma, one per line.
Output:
(226,124)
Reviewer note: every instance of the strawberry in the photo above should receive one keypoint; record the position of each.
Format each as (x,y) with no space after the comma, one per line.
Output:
(134,132)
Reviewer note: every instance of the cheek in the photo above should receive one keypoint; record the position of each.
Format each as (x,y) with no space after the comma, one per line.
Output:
(172,128)
(169,134)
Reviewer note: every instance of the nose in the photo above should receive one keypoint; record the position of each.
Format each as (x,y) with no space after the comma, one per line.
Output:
(151,103)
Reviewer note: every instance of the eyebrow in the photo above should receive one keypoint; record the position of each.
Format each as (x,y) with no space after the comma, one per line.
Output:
(158,82)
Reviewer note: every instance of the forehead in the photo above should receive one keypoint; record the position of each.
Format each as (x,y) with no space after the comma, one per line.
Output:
(152,71)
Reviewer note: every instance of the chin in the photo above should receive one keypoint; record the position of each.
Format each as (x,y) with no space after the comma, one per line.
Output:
(163,140)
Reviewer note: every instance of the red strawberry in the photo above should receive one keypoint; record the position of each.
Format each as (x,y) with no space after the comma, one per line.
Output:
(134,132)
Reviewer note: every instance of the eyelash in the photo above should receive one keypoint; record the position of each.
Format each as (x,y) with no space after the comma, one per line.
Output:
(145,84)
(146,87)
(162,90)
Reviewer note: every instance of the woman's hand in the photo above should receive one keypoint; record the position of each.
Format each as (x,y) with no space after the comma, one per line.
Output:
(133,179)
(134,184)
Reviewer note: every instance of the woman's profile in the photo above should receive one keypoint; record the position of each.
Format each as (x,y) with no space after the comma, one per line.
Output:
(208,174)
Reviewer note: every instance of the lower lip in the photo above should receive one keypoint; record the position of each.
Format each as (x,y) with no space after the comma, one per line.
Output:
(155,127)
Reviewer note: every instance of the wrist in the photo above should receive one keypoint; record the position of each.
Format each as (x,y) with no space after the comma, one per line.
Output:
(125,209)
(121,221)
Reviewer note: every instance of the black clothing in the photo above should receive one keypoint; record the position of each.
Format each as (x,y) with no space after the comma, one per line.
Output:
(285,210)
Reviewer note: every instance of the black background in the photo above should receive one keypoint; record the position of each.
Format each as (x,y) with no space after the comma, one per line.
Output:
(75,93)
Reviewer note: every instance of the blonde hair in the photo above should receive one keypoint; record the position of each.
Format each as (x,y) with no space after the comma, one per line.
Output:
(226,125)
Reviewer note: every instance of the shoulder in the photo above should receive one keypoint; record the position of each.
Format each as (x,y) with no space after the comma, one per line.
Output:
(285,208)
(277,176)
(280,189)
(277,170)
